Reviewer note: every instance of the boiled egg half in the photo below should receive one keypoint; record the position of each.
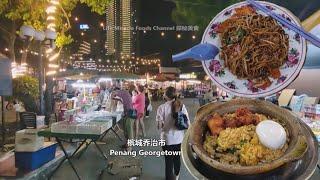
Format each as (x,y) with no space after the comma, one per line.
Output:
(271,134)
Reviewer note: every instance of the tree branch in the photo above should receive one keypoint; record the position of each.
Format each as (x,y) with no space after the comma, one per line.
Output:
(66,15)
(6,31)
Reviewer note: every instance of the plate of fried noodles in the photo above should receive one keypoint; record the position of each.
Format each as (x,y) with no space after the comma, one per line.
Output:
(258,55)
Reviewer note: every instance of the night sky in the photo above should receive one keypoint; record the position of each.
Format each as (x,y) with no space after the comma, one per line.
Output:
(159,13)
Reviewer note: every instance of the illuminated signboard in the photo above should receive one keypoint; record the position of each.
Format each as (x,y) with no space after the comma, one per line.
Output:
(84,26)
(188,76)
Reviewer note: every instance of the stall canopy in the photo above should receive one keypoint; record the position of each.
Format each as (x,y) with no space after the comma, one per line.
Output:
(164,77)
(90,74)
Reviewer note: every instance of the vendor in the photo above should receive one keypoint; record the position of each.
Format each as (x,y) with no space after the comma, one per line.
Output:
(125,98)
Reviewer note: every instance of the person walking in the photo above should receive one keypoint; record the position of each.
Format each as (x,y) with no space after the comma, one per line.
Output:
(166,119)
(147,103)
(139,105)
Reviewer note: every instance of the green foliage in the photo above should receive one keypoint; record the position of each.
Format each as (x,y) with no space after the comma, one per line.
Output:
(98,6)
(63,40)
(32,12)
(25,86)
(26,90)
(198,12)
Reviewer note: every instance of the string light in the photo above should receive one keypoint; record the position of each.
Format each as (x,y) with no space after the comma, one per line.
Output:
(50,18)
(55,56)
(76,18)
(53,66)
(51,25)
(48,51)
(50,73)
(193,37)
(51,9)
(179,36)
(54,2)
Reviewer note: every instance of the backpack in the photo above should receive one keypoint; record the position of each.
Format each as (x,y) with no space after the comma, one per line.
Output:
(181,121)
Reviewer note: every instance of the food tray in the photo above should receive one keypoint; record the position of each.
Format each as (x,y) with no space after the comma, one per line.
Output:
(64,127)
(94,127)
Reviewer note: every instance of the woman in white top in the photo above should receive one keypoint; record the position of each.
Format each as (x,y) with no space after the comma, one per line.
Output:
(172,136)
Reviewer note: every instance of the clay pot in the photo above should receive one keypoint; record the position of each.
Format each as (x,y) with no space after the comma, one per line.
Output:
(296,148)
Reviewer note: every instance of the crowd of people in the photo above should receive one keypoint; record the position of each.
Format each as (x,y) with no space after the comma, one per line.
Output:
(136,105)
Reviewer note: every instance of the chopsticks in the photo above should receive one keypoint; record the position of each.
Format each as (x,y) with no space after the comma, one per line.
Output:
(308,36)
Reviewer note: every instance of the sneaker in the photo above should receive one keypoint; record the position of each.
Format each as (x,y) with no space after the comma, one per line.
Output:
(177,176)
(147,116)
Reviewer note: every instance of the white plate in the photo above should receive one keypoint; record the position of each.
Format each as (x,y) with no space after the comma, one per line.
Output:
(228,82)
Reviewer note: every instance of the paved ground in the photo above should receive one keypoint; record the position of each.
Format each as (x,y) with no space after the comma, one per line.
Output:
(91,163)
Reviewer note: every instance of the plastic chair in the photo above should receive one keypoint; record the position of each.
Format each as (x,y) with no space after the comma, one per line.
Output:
(28,120)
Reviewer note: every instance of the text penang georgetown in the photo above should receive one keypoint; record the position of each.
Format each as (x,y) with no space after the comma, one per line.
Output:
(142,152)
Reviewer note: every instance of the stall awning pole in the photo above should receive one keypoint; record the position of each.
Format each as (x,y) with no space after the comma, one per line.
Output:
(3,129)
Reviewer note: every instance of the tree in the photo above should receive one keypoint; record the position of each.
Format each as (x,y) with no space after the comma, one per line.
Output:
(198,12)
(26,90)
(14,13)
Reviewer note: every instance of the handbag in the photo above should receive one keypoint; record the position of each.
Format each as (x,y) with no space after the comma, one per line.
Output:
(149,108)
(132,113)
(181,122)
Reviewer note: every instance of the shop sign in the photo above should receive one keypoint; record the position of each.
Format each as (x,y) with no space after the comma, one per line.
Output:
(188,76)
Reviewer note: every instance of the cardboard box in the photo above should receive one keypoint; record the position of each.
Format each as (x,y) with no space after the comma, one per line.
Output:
(285,97)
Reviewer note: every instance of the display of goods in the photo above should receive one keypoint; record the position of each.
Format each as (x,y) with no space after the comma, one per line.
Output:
(309,111)
(317,109)
(94,127)
(65,127)
(70,104)
(314,125)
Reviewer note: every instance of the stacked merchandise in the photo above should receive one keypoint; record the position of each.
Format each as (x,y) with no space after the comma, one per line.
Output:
(308,109)
(95,122)
(89,121)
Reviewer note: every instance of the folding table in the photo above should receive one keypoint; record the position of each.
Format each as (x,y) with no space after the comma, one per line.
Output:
(64,137)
